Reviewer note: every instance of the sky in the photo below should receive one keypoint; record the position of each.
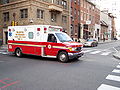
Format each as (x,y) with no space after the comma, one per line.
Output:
(114,7)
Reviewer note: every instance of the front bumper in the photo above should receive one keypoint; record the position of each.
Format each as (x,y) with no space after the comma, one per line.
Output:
(87,44)
(75,55)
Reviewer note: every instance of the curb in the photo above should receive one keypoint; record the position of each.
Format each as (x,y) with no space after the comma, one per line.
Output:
(116,56)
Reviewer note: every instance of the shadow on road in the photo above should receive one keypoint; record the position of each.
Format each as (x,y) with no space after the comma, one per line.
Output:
(45,58)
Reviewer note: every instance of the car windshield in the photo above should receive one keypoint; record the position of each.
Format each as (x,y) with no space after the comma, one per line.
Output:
(90,40)
(63,37)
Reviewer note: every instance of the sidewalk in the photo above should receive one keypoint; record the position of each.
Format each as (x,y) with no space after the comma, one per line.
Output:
(106,41)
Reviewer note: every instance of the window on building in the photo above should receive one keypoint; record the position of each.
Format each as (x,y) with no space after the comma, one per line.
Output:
(75,1)
(64,19)
(78,2)
(72,29)
(71,10)
(90,17)
(58,2)
(53,17)
(24,13)
(40,13)
(4,1)
(6,16)
(75,13)
(64,4)
(76,28)
(79,15)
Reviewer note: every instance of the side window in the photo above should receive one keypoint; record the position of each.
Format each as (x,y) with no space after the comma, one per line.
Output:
(30,35)
(51,38)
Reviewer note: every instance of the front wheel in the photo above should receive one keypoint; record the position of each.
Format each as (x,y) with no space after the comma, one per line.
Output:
(63,56)
(18,53)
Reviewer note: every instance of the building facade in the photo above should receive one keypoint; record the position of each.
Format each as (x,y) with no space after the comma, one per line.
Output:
(33,12)
(97,24)
(104,22)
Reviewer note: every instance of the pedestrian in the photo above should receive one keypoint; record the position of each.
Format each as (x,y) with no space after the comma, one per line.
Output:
(98,38)
(72,37)
(103,39)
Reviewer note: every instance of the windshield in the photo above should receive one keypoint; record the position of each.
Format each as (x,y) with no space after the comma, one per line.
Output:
(90,40)
(63,37)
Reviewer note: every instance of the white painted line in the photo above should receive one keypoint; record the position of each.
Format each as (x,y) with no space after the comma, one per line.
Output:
(118,66)
(116,71)
(4,53)
(107,87)
(95,52)
(106,53)
(113,77)
(87,51)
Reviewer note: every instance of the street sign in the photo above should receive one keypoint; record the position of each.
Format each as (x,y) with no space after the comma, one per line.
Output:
(88,22)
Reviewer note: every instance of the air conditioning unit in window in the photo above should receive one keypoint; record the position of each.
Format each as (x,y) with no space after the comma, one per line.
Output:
(31,20)
(75,1)
(73,19)
(52,20)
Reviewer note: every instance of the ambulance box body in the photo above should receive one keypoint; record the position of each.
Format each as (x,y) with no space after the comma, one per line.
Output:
(43,40)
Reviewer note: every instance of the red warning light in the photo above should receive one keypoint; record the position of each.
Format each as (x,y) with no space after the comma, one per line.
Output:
(38,29)
(61,30)
(45,29)
(10,30)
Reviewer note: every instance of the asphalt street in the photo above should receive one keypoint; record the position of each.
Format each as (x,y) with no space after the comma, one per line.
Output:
(96,70)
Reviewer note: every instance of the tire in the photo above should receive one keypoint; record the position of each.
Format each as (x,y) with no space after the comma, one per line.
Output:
(96,44)
(63,57)
(92,45)
(18,53)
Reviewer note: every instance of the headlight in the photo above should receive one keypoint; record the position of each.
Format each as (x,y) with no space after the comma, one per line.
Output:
(72,49)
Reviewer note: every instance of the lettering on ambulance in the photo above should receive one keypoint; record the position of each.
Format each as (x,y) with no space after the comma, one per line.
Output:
(52,41)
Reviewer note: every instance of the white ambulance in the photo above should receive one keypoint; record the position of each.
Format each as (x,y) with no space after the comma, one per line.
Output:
(43,40)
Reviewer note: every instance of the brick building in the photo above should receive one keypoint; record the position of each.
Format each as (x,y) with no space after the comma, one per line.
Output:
(75,18)
(29,12)
(87,19)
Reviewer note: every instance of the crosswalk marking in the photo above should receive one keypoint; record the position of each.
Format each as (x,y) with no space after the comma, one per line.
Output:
(87,51)
(95,52)
(113,77)
(118,66)
(116,71)
(106,53)
(107,87)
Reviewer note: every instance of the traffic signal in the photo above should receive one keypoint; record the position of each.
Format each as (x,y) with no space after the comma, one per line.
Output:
(14,23)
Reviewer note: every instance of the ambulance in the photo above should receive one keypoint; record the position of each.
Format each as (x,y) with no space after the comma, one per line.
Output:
(43,40)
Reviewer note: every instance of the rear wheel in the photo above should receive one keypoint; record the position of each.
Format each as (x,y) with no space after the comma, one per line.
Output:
(18,52)
(63,56)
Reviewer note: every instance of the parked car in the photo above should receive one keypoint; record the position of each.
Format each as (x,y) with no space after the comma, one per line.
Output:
(91,42)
